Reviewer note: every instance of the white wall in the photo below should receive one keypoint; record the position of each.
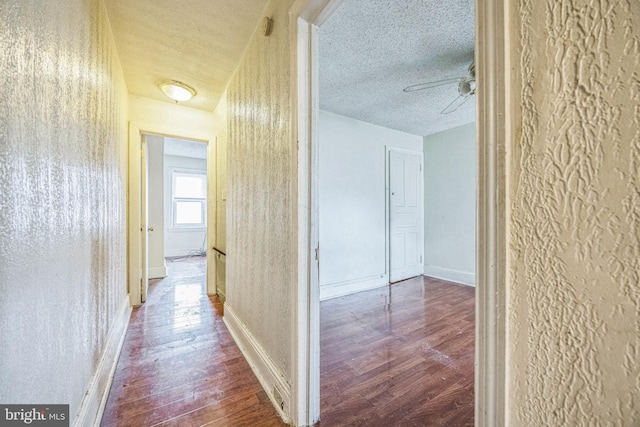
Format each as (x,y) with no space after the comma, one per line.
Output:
(63,244)
(450,204)
(155,210)
(179,241)
(352,206)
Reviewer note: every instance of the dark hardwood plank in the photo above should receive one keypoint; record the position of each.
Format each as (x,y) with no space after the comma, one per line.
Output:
(179,364)
(399,356)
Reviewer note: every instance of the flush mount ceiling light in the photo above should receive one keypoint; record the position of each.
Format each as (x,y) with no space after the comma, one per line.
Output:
(177,91)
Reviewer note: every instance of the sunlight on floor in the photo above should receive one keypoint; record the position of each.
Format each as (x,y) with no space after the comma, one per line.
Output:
(187,292)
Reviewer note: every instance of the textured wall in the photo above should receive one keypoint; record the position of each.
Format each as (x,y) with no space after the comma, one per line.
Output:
(62,205)
(574,285)
(259,206)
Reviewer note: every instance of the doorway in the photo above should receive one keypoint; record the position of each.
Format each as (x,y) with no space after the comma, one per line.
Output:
(177,200)
(170,219)
(491,33)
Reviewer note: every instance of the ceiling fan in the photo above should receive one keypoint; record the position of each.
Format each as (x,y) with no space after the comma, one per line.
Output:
(466,88)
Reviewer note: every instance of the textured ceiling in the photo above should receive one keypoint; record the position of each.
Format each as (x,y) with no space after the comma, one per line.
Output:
(199,43)
(371,49)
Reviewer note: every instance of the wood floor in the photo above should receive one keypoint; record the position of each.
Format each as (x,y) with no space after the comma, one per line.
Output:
(179,365)
(400,356)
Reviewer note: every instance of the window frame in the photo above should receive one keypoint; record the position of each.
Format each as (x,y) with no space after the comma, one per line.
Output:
(198,173)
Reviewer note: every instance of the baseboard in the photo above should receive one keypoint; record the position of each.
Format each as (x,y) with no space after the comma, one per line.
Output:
(340,289)
(95,399)
(263,367)
(175,253)
(157,272)
(450,275)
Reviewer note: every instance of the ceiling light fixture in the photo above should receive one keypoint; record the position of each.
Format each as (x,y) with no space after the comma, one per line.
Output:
(177,91)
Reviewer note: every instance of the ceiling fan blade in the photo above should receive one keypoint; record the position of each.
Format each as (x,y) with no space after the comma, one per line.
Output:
(429,85)
(455,104)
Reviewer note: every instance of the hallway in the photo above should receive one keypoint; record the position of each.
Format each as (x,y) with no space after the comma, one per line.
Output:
(179,365)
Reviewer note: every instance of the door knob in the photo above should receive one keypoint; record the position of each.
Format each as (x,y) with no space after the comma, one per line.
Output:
(150,229)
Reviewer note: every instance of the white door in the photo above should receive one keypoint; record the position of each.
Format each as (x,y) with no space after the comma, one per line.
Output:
(406,222)
(144,220)
(138,274)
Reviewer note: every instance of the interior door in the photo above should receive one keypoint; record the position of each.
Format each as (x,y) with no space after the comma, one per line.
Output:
(406,218)
(137,217)
(144,220)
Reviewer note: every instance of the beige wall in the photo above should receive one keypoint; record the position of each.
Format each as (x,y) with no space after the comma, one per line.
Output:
(574,220)
(63,140)
(259,207)
(171,119)
(220,122)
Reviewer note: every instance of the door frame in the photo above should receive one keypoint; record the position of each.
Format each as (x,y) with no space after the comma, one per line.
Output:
(135,225)
(388,150)
(493,127)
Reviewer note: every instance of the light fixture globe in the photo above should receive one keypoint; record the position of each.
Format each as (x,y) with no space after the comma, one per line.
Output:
(177,91)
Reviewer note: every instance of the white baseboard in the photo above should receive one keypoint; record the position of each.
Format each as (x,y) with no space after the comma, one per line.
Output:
(157,272)
(340,289)
(450,275)
(95,399)
(261,364)
(172,253)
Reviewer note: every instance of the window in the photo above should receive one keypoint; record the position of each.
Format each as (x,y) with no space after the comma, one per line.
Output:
(189,197)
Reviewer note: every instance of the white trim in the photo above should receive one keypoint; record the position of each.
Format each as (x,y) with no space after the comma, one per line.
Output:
(387,189)
(456,276)
(260,362)
(348,287)
(304,17)
(175,172)
(95,399)
(492,115)
(305,335)
(133,215)
(212,217)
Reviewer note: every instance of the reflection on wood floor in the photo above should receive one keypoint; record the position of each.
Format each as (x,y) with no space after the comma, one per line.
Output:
(396,356)
(179,365)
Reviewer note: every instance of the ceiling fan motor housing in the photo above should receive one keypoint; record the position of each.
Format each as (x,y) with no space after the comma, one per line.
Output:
(464,87)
